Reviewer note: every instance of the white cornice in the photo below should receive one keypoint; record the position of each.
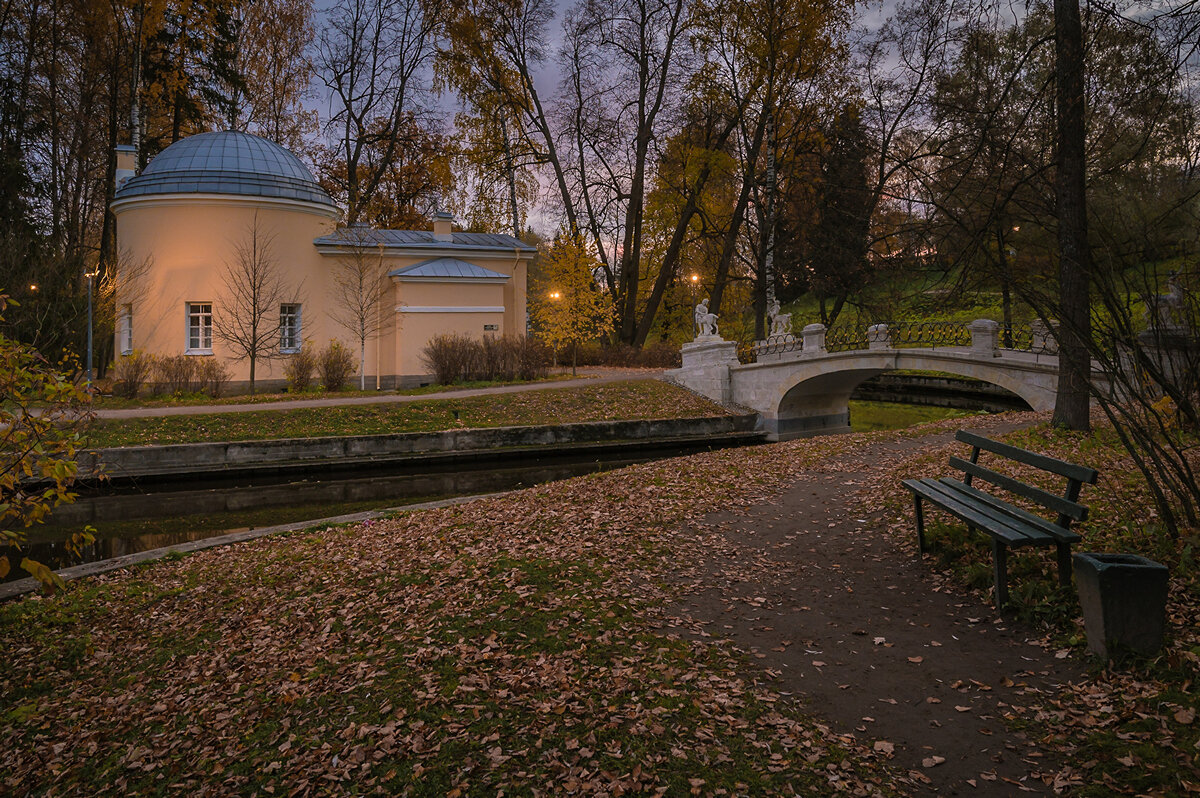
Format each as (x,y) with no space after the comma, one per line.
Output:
(161,200)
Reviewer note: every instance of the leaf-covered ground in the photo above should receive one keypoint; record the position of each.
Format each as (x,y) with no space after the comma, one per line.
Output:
(1132,727)
(619,401)
(528,644)
(513,643)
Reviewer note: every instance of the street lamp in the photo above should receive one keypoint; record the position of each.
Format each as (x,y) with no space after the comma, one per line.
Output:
(91,276)
(555,295)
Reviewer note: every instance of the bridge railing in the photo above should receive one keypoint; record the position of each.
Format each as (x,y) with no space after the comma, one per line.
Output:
(979,334)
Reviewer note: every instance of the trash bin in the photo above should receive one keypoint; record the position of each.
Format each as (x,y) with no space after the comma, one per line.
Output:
(1124,600)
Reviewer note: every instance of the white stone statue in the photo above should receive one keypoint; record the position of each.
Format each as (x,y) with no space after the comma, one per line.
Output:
(1162,311)
(780,323)
(706,323)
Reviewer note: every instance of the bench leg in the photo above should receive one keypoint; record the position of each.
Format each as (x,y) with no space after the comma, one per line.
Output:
(1000,566)
(1064,564)
(920,522)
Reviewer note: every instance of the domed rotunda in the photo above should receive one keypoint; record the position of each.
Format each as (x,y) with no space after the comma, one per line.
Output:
(211,208)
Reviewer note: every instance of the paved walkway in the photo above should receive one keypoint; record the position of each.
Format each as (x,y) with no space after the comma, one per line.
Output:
(588,376)
(834,611)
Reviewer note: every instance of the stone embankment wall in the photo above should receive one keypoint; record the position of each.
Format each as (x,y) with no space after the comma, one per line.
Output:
(364,450)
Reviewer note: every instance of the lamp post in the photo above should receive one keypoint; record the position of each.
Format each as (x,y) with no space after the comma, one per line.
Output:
(554,297)
(91,276)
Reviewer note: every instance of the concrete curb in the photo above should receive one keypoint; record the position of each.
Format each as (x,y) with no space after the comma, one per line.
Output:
(20,587)
(241,457)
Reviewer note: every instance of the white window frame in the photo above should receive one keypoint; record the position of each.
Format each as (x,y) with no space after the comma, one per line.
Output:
(291,342)
(200,313)
(125,330)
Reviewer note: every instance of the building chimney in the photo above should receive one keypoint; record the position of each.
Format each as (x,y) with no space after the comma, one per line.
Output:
(126,163)
(443,226)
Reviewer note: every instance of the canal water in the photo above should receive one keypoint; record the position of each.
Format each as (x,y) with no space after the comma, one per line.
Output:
(130,518)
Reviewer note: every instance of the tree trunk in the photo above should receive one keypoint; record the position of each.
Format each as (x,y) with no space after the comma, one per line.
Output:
(735,224)
(667,270)
(511,172)
(1071,405)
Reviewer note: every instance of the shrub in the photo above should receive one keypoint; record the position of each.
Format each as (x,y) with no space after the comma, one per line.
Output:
(458,358)
(211,376)
(130,373)
(660,354)
(534,359)
(174,373)
(299,368)
(336,365)
(450,357)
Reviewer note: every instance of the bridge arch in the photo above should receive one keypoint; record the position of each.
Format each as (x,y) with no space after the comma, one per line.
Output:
(810,395)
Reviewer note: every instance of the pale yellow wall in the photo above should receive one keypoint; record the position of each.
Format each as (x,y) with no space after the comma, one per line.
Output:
(418,326)
(415,329)
(190,240)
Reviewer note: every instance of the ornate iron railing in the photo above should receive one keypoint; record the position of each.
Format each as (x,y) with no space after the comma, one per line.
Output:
(928,334)
(842,339)
(778,344)
(904,335)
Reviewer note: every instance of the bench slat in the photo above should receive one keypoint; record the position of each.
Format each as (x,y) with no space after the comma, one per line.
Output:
(1009,530)
(1054,530)
(1051,464)
(1057,503)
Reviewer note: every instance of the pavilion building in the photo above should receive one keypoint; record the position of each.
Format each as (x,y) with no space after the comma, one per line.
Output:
(210,204)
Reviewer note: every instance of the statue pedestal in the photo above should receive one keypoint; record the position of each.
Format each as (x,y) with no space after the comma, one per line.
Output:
(705,370)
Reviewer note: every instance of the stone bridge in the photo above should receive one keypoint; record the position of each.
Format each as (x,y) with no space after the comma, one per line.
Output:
(800,387)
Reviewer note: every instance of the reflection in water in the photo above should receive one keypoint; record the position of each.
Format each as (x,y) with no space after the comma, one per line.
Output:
(130,519)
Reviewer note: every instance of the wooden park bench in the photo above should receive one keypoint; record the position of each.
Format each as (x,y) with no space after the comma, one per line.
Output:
(1008,525)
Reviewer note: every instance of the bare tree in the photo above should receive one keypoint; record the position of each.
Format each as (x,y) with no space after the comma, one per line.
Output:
(372,56)
(254,290)
(273,36)
(628,57)
(359,292)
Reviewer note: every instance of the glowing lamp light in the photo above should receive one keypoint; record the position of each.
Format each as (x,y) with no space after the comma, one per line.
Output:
(555,295)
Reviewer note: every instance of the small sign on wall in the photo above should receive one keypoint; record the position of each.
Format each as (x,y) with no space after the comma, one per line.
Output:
(491,328)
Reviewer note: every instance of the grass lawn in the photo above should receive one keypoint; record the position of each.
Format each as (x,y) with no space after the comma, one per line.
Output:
(523,641)
(509,644)
(121,403)
(868,416)
(634,399)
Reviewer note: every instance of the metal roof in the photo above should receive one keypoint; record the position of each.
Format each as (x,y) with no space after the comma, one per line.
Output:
(447,268)
(363,236)
(226,162)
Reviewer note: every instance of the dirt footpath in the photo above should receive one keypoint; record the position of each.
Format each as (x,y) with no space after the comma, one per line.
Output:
(837,614)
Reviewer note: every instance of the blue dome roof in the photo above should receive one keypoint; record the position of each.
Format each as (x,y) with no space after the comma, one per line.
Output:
(227,162)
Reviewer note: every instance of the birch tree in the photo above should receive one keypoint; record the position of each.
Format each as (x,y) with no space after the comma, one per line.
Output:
(360,292)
